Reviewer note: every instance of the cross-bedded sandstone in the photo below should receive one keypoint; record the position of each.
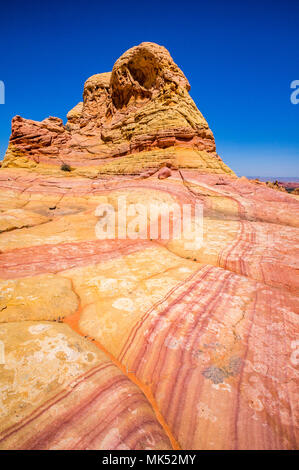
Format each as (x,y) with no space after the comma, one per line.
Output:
(142,343)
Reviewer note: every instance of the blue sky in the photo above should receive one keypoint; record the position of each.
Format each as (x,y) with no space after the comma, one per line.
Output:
(240,58)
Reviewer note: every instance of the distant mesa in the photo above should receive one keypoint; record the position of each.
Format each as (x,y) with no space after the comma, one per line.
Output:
(285,186)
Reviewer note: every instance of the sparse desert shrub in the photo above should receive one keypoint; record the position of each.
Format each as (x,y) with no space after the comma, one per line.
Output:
(65,167)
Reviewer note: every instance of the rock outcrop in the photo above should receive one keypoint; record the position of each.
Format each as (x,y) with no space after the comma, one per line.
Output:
(142,343)
(138,117)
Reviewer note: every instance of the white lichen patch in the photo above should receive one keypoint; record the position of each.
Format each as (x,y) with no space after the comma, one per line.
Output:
(124,303)
(204,412)
(36,329)
(40,359)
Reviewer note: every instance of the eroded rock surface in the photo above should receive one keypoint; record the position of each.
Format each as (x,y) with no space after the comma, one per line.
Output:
(142,343)
(135,118)
(60,392)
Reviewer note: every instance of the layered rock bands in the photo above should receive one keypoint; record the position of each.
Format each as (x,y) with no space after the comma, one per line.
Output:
(142,343)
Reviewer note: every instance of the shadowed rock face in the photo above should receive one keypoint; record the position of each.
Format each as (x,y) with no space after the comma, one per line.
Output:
(142,107)
(143,343)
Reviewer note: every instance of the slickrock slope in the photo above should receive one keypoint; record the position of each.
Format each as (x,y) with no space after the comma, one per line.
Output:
(142,343)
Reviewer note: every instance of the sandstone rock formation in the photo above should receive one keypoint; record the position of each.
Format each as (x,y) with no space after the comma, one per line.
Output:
(136,118)
(142,343)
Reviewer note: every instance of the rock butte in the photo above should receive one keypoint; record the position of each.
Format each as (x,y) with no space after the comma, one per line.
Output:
(142,344)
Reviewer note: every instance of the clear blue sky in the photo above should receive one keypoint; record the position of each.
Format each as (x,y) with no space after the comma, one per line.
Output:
(240,58)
